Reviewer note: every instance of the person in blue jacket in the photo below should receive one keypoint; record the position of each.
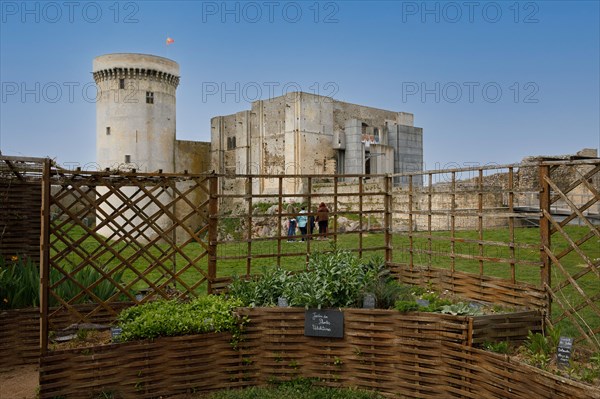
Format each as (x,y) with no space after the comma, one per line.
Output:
(302,222)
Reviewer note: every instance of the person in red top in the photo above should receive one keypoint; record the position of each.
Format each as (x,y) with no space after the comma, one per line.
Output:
(322,220)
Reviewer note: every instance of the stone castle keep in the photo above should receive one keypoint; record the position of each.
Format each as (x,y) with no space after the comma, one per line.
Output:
(298,133)
(136,116)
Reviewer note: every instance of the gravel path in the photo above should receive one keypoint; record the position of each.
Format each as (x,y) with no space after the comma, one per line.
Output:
(19,382)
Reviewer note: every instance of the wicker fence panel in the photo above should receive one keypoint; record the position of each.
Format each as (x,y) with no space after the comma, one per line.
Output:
(482,288)
(20,202)
(474,373)
(381,349)
(401,355)
(20,330)
(505,327)
(20,336)
(146,369)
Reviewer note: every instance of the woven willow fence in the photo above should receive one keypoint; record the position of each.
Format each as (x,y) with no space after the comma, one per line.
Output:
(401,355)
(20,204)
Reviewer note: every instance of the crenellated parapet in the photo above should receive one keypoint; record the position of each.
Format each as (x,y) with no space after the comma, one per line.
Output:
(136,73)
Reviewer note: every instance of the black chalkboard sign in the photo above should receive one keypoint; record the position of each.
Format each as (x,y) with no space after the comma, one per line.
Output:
(564,350)
(324,323)
(115,333)
(369,301)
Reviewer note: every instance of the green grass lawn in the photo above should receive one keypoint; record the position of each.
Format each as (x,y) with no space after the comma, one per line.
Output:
(232,258)
(496,258)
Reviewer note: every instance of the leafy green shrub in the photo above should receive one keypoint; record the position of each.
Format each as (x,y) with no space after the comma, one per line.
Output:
(539,348)
(333,279)
(410,301)
(406,306)
(497,347)
(460,309)
(260,290)
(171,318)
(68,289)
(380,283)
(20,284)
(538,343)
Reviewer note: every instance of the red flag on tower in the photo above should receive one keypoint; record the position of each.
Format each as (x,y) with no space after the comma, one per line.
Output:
(170,41)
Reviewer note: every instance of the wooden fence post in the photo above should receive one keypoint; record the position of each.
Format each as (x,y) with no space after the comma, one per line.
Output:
(388,220)
(44,256)
(544,173)
(213,219)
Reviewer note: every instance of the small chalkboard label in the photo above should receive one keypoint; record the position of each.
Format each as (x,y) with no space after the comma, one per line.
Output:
(115,333)
(422,302)
(564,350)
(369,301)
(282,302)
(324,323)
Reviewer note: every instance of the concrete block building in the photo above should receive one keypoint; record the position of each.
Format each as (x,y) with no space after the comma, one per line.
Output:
(301,133)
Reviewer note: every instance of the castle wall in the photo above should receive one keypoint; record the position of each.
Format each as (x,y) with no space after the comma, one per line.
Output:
(193,157)
(302,133)
(268,141)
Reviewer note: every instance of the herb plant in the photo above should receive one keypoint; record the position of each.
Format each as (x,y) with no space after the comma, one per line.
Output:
(171,318)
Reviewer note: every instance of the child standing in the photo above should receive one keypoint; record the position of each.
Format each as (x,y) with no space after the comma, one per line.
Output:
(292,223)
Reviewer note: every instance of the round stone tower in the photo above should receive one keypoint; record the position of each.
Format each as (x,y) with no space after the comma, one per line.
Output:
(135,111)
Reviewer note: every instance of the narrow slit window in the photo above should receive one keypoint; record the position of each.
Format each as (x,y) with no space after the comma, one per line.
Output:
(127,158)
(230,143)
(108,130)
(149,97)
(121,83)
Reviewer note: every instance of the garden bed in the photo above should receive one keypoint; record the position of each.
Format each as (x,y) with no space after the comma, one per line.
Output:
(421,355)
(20,329)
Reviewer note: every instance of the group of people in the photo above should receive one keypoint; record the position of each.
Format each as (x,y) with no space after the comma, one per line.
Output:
(306,223)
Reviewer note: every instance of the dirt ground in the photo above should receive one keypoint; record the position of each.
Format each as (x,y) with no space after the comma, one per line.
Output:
(19,382)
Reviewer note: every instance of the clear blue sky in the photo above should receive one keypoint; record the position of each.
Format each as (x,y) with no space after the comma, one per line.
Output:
(489,82)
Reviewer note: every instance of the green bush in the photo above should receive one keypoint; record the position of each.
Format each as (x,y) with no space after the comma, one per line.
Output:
(460,309)
(172,318)
(20,284)
(380,283)
(332,279)
(260,290)
(497,347)
(406,306)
